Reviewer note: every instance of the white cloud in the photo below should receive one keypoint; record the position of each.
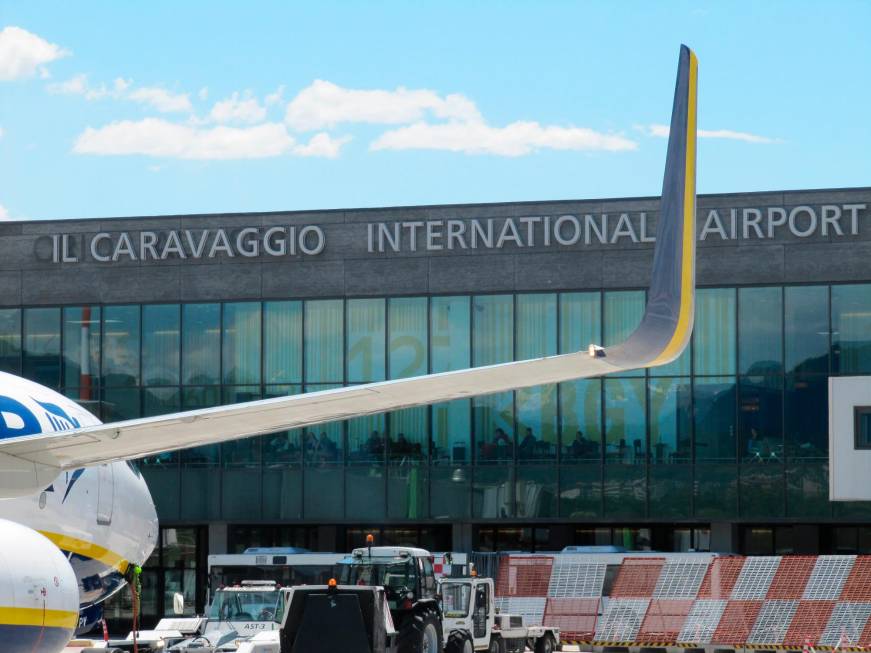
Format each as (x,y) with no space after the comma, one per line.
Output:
(322,145)
(203,93)
(24,54)
(78,85)
(324,104)
(276,97)
(662,131)
(160,138)
(161,99)
(4,214)
(516,139)
(235,109)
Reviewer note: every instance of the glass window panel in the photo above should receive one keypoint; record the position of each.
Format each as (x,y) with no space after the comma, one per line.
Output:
(81,347)
(365,497)
(492,493)
(536,325)
(42,345)
(407,318)
(367,439)
(760,418)
(536,423)
(622,315)
(625,421)
(757,541)
(10,340)
(407,491)
(494,427)
(580,315)
(714,331)
(806,412)
(241,346)
(161,344)
(535,491)
(451,432)
(282,346)
(851,329)
(280,449)
(715,419)
(449,333)
(580,491)
(324,338)
(625,491)
(760,330)
(581,420)
(716,491)
(366,324)
(244,452)
(493,329)
(671,491)
(807,490)
(806,324)
(121,345)
(408,440)
(193,398)
(201,344)
(762,488)
(450,492)
(670,420)
(120,404)
(324,444)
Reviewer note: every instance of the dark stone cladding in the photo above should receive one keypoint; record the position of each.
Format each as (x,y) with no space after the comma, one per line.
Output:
(346,268)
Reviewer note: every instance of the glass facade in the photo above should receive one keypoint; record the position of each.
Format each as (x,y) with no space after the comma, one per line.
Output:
(735,429)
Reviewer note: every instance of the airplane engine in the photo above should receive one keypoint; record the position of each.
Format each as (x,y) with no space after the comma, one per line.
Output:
(39,596)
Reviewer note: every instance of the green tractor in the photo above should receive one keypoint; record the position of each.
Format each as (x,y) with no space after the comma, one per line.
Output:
(409,583)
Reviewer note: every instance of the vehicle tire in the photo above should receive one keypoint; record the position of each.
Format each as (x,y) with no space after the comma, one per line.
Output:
(544,644)
(496,645)
(459,642)
(420,633)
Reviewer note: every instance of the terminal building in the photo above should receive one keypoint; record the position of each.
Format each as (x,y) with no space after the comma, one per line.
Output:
(724,449)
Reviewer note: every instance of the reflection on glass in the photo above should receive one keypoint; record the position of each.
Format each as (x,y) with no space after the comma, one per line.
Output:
(408,438)
(121,345)
(536,325)
(806,322)
(493,329)
(10,340)
(82,349)
(367,439)
(760,410)
(42,345)
(580,315)
(806,411)
(241,348)
(449,333)
(282,342)
(366,323)
(760,330)
(715,419)
(625,421)
(201,342)
(120,404)
(284,447)
(670,420)
(324,338)
(324,444)
(714,331)
(536,424)
(623,312)
(407,340)
(851,329)
(494,427)
(581,420)
(161,338)
(451,433)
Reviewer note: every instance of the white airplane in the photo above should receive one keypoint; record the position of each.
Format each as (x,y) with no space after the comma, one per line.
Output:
(75,515)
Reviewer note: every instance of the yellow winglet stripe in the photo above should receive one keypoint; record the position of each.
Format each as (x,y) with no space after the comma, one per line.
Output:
(685,316)
(88,549)
(38,617)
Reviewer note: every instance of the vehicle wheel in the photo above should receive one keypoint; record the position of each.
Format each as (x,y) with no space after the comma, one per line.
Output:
(459,642)
(544,644)
(420,633)
(496,645)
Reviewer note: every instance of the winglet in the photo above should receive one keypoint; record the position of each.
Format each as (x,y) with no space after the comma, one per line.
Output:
(667,324)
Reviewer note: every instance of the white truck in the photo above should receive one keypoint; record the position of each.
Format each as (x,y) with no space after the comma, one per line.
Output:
(471,621)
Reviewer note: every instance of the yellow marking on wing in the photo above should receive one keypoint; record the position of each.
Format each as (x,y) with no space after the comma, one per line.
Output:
(38,617)
(685,316)
(89,550)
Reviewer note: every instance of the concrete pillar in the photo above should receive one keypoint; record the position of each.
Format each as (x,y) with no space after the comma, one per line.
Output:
(461,537)
(725,537)
(218,537)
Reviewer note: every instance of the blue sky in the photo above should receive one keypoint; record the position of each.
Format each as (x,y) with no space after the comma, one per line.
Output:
(122,108)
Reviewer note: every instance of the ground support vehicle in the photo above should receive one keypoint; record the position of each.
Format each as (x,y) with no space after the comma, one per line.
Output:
(471,622)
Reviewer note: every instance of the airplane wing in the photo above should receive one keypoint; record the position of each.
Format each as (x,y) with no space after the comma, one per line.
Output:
(661,337)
